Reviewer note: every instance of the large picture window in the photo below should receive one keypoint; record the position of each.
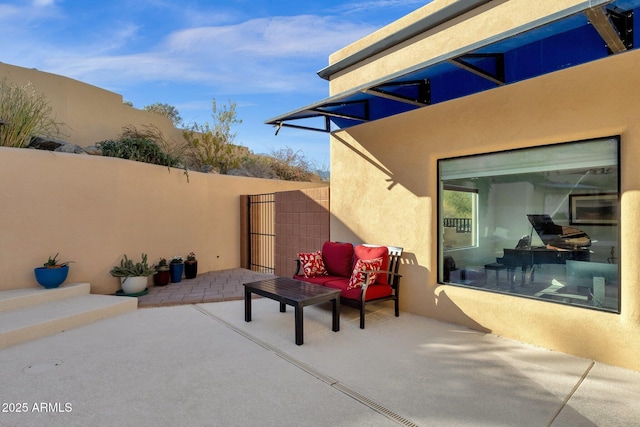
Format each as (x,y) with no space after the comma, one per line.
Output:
(540,222)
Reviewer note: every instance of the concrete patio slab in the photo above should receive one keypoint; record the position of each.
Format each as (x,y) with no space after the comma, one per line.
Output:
(164,367)
(434,373)
(203,365)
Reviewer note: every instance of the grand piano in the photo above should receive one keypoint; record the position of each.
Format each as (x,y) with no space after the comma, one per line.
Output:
(561,243)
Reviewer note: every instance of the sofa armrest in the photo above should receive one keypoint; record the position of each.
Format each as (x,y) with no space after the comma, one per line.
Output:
(395,277)
(395,282)
(366,277)
(298,265)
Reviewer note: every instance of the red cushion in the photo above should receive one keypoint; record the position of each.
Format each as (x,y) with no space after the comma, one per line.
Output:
(372,252)
(358,275)
(373,292)
(338,258)
(311,264)
(317,280)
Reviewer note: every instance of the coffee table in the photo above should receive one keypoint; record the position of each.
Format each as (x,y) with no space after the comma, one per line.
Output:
(294,293)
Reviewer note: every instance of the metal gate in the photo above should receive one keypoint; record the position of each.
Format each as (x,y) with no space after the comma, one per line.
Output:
(262,236)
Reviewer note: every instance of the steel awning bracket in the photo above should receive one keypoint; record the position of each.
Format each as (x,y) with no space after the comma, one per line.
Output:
(332,110)
(614,26)
(497,76)
(423,92)
(283,124)
(327,112)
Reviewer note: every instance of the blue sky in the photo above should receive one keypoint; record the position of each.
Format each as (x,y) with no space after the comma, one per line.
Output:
(261,54)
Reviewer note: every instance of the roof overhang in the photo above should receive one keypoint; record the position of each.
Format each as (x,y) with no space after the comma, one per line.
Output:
(588,31)
(440,16)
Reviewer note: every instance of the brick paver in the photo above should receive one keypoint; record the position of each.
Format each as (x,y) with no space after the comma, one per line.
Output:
(214,286)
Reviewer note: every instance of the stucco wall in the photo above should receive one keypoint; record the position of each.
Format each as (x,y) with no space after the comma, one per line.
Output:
(483,23)
(93,210)
(390,165)
(302,225)
(88,113)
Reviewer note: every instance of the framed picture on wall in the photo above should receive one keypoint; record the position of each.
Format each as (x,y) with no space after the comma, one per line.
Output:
(593,209)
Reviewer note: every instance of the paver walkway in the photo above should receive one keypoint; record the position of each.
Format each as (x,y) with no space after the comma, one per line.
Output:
(214,286)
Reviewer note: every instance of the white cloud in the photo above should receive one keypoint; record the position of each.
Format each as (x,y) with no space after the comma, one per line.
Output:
(262,55)
(269,37)
(15,18)
(8,12)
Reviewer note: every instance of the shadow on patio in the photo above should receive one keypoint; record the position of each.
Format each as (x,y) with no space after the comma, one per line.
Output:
(202,364)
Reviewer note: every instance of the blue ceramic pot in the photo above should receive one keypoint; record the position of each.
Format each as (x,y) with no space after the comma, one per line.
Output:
(51,277)
(176,272)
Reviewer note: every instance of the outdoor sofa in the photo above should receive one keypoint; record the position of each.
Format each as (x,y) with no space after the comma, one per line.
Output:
(363,273)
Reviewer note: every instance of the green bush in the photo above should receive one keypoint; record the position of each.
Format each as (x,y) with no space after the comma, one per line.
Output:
(140,150)
(26,114)
(146,146)
(284,164)
(212,144)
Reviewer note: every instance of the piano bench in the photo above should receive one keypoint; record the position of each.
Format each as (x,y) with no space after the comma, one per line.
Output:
(497,267)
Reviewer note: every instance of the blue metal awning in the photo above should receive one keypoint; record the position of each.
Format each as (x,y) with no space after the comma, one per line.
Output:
(575,37)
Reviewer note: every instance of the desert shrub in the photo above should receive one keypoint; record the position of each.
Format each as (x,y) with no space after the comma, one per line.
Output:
(146,145)
(258,166)
(138,149)
(165,110)
(291,165)
(212,144)
(284,164)
(26,114)
(174,151)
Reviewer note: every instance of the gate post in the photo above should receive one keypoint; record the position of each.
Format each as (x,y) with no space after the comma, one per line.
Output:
(244,231)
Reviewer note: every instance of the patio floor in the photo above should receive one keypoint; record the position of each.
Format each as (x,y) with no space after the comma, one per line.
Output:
(214,286)
(202,364)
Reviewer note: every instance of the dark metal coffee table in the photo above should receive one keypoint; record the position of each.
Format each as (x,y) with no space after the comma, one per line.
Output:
(294,293)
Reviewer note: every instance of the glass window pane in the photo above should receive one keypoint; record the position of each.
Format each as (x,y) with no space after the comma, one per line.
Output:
(544,222)
(459,209)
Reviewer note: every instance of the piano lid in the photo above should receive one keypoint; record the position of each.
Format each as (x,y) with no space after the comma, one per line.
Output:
(558,236)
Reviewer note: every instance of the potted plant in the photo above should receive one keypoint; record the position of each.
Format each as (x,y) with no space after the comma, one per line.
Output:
(53,273)
(162,276)
(191,266)
(176,267)
(133,276)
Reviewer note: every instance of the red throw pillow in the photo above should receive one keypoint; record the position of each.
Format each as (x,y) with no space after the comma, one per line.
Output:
(373,252)
(337,258)
(311,263)
(362,265)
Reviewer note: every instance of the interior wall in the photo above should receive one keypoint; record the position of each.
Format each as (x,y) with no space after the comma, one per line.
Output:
(391,165)
(92,210)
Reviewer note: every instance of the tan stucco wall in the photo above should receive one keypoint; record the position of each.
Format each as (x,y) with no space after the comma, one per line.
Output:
(482,23)
(390,166)
(389,30)
(88,113)
(93,210)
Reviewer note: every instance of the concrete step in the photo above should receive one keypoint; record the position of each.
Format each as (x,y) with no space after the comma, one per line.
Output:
(27,314)
(15,299)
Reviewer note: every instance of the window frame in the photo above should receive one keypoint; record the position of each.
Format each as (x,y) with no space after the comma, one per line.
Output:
(441,251)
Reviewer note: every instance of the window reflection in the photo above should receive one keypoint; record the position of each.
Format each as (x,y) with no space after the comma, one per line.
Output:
(541,222)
